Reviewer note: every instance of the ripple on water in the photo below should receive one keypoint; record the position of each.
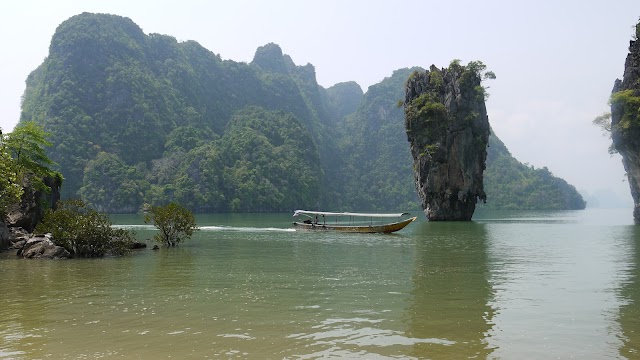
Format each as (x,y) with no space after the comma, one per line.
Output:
(335,331)
(244,336)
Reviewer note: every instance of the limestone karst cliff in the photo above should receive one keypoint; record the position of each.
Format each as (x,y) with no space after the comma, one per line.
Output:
(141,118)
(31,209)
(448,131)
(625,122)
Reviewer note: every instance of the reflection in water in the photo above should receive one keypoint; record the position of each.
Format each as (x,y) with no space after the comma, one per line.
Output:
(173,271)
(41,303)
(451,291)
(555,289)
(529,287)
(629,316)
(359,290)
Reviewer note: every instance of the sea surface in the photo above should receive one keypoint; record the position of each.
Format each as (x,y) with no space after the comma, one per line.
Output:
(508,285)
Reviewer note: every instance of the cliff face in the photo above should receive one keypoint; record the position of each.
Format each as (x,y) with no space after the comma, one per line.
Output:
(5,239)
(625,122)
(30,211)
(448,131)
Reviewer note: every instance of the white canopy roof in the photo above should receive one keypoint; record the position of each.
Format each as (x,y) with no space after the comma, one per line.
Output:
(326,213)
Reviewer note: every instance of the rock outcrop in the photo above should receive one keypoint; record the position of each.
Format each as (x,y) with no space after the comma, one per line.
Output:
(625,120)
(29,212)
(33,205)
(5,236)
(448,131)
(42,247)
(19,237)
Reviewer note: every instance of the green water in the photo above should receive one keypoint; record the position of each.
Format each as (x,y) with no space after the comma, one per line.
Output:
(534,285)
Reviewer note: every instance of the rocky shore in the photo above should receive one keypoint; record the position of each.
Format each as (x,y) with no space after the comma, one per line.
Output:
(30,246)
(38,246)
(17,227)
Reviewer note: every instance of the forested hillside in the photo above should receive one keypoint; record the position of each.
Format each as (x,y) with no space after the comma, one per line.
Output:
(138,118)
(509,184)
(376,150)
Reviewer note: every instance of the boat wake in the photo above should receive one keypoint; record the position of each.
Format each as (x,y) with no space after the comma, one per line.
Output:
(246,229)
(210,228)
(134,227)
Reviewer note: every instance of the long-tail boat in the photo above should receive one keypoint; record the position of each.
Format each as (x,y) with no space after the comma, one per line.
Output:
(351,222)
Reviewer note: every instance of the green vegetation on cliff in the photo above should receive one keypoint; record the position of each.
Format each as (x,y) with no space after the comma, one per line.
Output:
(24,162)
(509,184)
(625,119)
(144,119)
(448,130)
(141,118)
(10,188)
(379,153)
(377,156)
(628,102)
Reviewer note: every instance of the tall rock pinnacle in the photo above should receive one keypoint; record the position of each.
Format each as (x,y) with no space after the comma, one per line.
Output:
(625,119)
(448,131)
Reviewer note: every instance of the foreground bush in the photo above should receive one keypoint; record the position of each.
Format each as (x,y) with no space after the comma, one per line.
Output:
(175,223)
(83,231)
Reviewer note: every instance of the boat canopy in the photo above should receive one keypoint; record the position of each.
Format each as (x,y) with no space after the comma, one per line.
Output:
(326,213)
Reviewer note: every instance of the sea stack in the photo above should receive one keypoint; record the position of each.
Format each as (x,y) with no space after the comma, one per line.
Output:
(625,119)
(448,131)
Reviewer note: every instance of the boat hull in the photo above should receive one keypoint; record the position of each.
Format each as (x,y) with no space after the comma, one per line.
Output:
(385,228)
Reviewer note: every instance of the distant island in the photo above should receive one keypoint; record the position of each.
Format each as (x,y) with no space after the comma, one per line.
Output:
(141,119)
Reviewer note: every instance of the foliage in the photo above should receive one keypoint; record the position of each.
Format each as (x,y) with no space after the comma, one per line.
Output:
(378,170)
(175,222)
(110,185)
(512,185)
(10,188)
(83,231)
(629,102)
(138,118)
(23,161)
(475,73)
(604,123)
(625,109)
(107,88)
(185,138)
(270,163)
(427,113)
(26,146)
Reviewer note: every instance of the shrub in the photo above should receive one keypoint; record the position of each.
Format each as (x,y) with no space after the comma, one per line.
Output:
(83,231)
(175,223)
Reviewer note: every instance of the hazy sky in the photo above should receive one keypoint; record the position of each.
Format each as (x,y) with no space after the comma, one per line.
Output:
(555,61)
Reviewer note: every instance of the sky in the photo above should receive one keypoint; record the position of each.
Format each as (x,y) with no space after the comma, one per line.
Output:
(555,60)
